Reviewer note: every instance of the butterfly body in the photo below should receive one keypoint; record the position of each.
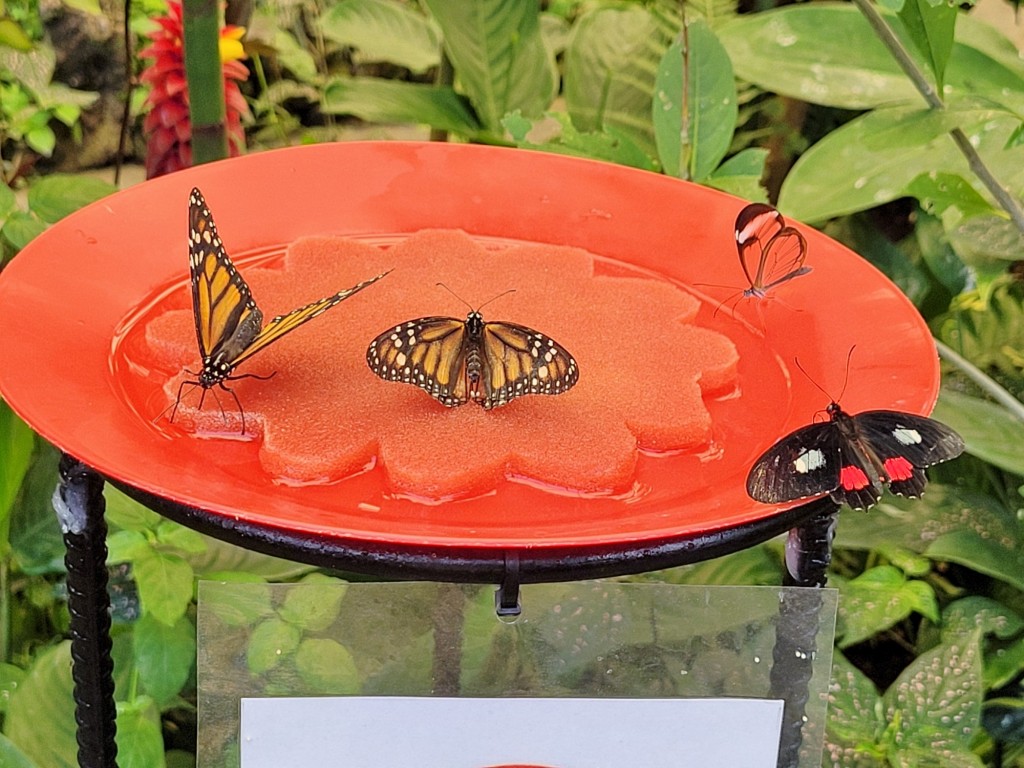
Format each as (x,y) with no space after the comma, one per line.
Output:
(853,457)
(229,325)
(770,251)
(458,361)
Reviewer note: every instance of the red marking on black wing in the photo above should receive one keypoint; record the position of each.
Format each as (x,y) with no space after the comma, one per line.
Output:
(775,477)
(907,443)
(860,486)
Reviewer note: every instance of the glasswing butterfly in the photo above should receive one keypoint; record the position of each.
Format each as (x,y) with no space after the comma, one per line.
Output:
(455,361)
(778,250)
(229,325)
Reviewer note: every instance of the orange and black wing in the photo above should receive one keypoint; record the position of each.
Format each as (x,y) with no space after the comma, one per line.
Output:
(429,352)
(226,317)
(283,324)
(520,361)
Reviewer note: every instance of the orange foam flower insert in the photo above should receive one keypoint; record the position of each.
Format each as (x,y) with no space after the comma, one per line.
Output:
(644,369)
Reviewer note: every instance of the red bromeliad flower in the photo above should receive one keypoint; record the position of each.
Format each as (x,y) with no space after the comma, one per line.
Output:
(168,127)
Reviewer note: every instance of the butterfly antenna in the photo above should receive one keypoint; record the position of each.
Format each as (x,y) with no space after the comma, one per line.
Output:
(816,385)
(453,293)
(495,298)
(846,378)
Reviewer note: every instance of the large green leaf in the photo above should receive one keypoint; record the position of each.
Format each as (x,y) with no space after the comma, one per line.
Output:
(982,554)
(165,586)
(327,666)
(795,51)
(16,444)
(610,67)
(498,54)
(931,25)
(388,101)
(164,655)
(879,598)
(53,197)
(384,30)
(935,705)
(140,742)
(991,432)
(854,717)
(10,755)
(609,144)
(41,714)
(872,159)
(694,148)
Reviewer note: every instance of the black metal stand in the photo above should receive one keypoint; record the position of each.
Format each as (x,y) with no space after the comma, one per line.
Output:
(808,553)
(80,505)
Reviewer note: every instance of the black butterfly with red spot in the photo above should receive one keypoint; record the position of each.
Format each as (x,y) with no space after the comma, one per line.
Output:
(852,458)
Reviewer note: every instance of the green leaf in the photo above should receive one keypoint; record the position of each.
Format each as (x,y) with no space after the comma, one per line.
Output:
(45,698)
(10,755)
(165,586)
(16,446)
(741,175)
(313,605)
(990,431)
(53,197)
(10,678)
(127,546)
(125,512)
(980,554)
(942,259)
(36,539)
(140,741)
(702,137)
(610,67)
(34,67)
(938,192)
(13,36)
(86,6)
(327,667)
(272,641)
(935,704)
(498,55)
(220,558)
(977,612)
(21,228)
(854,713)
(794,51)
(384,30)
(611,144)
(873,158)
(878,599)
(931,26)
(185,540)
(164,656)
(235,604)
(8,201)
(386,101)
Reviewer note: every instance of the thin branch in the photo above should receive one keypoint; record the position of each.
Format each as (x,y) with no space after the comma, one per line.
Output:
(992,388)
(885,33)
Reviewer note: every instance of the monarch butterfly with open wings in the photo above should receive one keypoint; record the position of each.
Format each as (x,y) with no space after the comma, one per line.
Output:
(778,250)
(229,325)
(456,361)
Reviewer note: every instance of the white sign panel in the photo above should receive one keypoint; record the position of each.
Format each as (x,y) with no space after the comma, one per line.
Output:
(408,732)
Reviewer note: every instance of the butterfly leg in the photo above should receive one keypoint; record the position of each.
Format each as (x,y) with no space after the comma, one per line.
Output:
(177,400)
(230,391)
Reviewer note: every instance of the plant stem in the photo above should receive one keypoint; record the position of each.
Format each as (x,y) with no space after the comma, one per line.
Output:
(992,388)
(205,80)
(885,33)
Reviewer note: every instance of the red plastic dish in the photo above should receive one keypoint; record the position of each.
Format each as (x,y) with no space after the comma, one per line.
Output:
(65,300)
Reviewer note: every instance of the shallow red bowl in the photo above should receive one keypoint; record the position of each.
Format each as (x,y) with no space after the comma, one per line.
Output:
(65,300)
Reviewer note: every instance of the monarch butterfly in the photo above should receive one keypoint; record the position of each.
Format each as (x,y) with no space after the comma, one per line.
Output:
(779,250)
(229,325)
(456,361)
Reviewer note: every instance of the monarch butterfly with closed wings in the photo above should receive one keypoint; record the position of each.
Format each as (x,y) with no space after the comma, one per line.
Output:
(229,325)
(771,252)
(455,361)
